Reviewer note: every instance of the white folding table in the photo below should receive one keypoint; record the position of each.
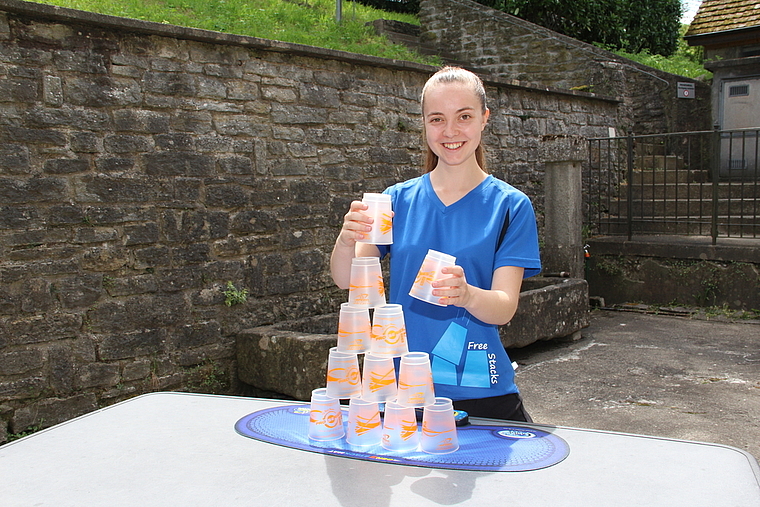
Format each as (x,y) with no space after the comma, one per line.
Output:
(179,449)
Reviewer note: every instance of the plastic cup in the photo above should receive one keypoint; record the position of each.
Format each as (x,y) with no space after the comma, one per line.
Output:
(343,377)
(439,430)
(430,271)
(378,378)
(389,331)
(399,428)
(415,380)
(379,208)
(364,426)
(325,417)
(366,287)
(354,329)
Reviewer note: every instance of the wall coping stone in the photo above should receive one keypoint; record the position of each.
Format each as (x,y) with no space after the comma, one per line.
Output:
(56,13)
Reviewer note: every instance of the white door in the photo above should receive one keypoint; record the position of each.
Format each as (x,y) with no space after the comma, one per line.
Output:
(740,109)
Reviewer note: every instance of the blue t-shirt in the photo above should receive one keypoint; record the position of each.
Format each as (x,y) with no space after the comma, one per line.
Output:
(494,225)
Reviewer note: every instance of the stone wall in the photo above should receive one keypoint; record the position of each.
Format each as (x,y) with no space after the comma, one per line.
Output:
(511,48)
(143,166)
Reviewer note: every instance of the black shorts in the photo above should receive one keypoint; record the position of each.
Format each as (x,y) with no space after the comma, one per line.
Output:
(508,407)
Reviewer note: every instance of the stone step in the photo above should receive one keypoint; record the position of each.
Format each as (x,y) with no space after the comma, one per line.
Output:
(692,191)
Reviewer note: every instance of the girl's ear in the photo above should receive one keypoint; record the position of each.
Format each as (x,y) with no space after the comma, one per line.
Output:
(485,118)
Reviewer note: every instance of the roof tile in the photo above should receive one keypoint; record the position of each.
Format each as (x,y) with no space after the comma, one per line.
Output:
(722,15)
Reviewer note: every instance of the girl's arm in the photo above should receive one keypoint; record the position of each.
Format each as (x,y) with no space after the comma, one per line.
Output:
(495,306)
(355,225)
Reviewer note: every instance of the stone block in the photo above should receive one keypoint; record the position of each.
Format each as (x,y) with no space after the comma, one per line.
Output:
(100,375)
(51,411)
(290,359)
(18,362)
(66,166)
(19,90)
(46,189)
(132,344)
(140,312)
(257,221)
(37,296)
(102,91)
(14,159)
(178,163)
(549,308)
(27,388)
(107,258)
(197,335)
(117,189)
(42,328)
(138,120)
(114,164)
(130,144)
(236,165)
(141,234)
(227,196)
(81,291)
(170,83)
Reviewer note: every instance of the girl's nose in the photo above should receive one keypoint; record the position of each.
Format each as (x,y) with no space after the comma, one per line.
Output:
(451,129)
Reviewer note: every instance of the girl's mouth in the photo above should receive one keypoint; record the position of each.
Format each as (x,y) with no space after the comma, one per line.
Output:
(453,146)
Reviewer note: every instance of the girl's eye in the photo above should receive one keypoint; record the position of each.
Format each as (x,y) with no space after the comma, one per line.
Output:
(466,117)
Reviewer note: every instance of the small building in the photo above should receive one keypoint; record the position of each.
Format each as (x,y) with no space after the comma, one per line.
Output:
(729,32)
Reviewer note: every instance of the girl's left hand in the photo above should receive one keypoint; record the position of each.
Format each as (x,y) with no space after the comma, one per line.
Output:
(453,289)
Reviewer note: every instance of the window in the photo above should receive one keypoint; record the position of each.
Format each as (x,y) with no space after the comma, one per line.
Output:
(738,90)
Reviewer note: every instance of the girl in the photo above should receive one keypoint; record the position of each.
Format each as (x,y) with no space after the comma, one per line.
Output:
(457,208)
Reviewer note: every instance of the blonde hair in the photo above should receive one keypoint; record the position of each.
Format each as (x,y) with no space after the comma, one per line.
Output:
(457,75)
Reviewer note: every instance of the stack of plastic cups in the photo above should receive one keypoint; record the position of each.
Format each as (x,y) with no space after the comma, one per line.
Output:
(439,431)
(430,271)
(325,417)
(354,329)
(366,287)
(389,331)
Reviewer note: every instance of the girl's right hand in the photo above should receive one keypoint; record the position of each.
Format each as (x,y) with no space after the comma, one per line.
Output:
(356,224)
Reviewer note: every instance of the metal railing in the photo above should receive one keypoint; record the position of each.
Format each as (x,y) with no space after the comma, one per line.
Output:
(687,183)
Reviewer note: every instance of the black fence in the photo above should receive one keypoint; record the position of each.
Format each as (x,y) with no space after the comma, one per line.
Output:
(686,183)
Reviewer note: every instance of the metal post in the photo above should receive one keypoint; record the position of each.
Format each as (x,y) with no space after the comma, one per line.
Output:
(629,149)
(338,10)
(715,170)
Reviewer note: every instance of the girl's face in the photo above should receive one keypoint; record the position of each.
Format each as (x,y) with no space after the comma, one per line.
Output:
(454,121)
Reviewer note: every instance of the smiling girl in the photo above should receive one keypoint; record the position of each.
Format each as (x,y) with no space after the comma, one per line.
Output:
(457,208)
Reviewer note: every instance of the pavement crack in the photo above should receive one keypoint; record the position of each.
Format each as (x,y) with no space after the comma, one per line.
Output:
(574,355)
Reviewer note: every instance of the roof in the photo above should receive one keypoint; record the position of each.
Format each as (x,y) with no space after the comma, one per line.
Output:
(724,15)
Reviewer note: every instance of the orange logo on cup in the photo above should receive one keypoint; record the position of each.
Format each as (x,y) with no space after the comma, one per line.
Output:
(432,433)
(424,277)
(330,418)
(389,334)
(408,429)
(379,285)
(386,224)
(363,424)
(378,382)
(350,375)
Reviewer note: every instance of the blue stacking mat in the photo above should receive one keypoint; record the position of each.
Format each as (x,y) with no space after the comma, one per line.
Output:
(502,448)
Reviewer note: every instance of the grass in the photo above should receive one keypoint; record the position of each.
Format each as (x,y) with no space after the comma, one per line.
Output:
(313,22)
(686,61)
(310,22)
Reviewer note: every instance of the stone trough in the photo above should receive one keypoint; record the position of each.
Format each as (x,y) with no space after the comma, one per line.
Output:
(290,357)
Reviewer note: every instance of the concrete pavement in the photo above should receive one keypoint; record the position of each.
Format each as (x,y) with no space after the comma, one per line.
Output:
(683,378)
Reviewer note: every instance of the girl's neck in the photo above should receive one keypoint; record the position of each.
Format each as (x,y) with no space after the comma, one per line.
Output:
(452,183)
